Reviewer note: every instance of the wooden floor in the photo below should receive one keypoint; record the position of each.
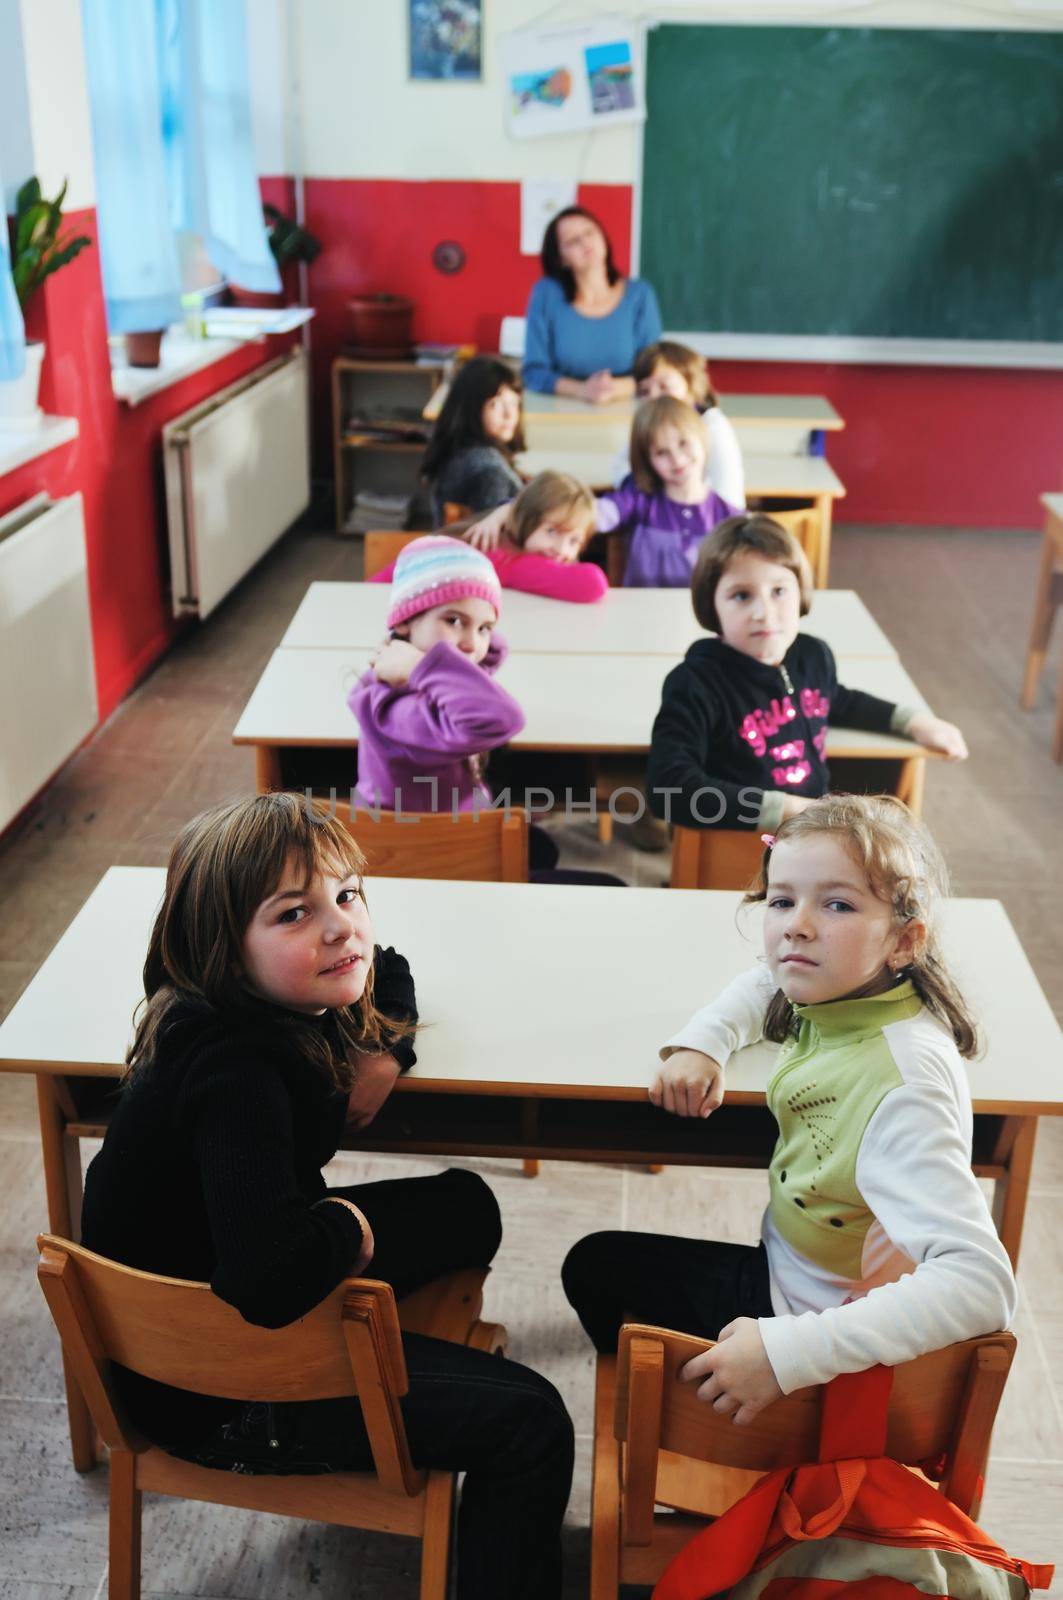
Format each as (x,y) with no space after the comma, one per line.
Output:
(957,606)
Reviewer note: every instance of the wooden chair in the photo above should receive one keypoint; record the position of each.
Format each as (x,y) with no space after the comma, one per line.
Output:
(655,1442)
(454,511)
(182,1334)
(379,550)
(714,858)
(806,525)
(483,847)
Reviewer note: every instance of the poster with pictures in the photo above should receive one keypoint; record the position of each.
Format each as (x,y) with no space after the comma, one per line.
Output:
(569,79)
(446,39)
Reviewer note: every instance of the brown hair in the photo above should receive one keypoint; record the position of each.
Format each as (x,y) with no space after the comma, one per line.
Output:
(905,868)
(748,533)
(550,255)
(650,418)
(547,494)
(692,368)
(223,865)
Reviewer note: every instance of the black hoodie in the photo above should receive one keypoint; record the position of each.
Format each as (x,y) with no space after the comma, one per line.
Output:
(733,727)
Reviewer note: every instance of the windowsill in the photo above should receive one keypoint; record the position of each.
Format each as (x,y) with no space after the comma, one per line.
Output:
(182,355)
(19,445)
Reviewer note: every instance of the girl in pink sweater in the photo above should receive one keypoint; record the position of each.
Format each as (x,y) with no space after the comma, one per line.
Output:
(546,528)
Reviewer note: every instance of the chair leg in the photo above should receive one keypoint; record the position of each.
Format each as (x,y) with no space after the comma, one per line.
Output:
(531,1167)
(124,1538)
(436,1536)
(605,1487)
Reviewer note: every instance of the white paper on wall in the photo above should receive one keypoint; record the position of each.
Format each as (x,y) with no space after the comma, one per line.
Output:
(569,79)
(540,201)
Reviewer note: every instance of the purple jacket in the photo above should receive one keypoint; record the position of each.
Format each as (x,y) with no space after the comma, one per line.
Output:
(449,711)
(664,534)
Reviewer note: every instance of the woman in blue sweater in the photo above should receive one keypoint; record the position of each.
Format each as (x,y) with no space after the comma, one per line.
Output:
(585,322)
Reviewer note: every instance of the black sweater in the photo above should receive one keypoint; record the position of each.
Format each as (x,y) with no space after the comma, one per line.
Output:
(211,1170)
(733,726)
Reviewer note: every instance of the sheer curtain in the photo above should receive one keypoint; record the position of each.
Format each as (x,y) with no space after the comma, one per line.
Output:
(210,155)
(138,252)
(12,334)
(171,123)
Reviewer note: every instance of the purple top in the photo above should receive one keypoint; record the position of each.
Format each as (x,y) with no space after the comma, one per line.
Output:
(665,535)
(449,712)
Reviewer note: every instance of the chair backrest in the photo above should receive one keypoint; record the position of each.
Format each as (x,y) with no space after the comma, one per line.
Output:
(379,550)
(806,525)
(714,858)
(454,511)
(181,1333)
(941,1405)
(484,846)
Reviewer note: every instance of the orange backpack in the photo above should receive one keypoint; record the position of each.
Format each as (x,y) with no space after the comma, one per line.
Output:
(855,1523)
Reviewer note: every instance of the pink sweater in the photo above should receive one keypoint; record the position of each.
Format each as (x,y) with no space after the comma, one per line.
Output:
(579,581)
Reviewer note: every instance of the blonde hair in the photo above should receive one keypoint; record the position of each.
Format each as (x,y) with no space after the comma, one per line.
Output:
(653,415)
(223,865)
(905,868)
(547,494)
(750,533)
(692,368)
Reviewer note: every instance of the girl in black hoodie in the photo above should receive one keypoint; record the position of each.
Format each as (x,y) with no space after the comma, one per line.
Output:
(739,741)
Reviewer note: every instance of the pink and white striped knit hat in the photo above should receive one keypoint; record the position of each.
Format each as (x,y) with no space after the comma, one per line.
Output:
(433,570)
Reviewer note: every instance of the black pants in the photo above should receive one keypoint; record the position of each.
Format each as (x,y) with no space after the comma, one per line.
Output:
(691,1285)
(543,856)
(501,1424)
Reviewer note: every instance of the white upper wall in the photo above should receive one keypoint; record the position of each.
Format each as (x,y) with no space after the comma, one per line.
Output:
(361,117)
(58,99)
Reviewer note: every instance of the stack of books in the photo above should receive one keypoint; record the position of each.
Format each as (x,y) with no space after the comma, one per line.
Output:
(374,512)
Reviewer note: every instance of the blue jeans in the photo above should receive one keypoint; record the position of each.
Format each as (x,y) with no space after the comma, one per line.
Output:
(500,1423)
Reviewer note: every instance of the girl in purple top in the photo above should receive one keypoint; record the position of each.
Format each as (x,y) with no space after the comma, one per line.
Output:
(665,504)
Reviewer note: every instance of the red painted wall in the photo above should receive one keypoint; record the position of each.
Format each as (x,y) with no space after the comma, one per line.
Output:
(116,464)
(922,445)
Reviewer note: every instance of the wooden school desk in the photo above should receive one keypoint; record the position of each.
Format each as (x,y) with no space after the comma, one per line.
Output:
(806,479)
(592,704)
(564,1078)
(633,622)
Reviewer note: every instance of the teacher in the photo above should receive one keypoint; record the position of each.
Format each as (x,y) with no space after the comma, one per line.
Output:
(585,323)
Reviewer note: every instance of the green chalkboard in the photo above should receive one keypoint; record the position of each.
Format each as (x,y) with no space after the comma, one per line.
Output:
(892,183)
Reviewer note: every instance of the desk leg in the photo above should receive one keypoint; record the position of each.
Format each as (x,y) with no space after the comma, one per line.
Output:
(268,776)
(62,1186)
(1041,627)
(911,782)
(1015,1151)
(825,508)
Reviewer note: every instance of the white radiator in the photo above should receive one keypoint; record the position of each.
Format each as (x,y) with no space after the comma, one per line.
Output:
(47,675)
(237,475)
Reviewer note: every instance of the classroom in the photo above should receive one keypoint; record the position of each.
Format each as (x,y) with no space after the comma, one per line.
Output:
(531,997)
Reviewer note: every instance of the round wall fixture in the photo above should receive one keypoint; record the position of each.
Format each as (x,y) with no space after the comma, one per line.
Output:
(448,257)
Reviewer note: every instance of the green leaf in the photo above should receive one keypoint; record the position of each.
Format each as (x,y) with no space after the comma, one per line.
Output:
(28,195)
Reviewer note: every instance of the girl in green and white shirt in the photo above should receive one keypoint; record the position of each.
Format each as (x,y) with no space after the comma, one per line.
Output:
(877,1245)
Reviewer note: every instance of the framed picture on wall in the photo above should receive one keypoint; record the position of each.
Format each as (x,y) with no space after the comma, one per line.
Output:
(446,39)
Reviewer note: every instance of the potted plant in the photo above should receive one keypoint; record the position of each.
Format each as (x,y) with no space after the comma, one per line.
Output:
(39,249)
(381,324)
(289,243)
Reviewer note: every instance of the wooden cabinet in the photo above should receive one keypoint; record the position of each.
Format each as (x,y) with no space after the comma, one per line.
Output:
(378,431)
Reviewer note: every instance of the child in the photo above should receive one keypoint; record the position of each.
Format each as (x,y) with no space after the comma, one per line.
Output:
(270,1018)
(741,733)
(469,459)
(429,708)
(663,504)
(675,369)
(877,1244)
(546,528)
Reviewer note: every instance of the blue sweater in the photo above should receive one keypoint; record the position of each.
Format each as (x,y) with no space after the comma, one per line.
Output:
(560,341)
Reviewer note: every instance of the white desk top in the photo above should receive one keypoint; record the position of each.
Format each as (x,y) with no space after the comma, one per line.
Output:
(585,702)
(626,622)
(804,477)
(751,410)
(590,984)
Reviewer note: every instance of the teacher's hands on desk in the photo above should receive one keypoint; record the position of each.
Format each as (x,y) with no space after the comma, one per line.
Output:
(597,390)
(689,1084)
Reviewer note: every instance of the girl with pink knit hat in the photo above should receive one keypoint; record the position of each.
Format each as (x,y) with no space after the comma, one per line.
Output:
(429,707)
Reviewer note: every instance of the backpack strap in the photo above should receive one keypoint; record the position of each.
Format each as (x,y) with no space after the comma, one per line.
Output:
(853,1420)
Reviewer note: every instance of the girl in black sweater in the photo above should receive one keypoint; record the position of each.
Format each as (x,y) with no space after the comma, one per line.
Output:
(739,741)
(479,431)
(271,1019)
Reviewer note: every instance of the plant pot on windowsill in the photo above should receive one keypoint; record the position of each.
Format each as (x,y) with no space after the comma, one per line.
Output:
(144,349)
(381,322)
(19,409)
